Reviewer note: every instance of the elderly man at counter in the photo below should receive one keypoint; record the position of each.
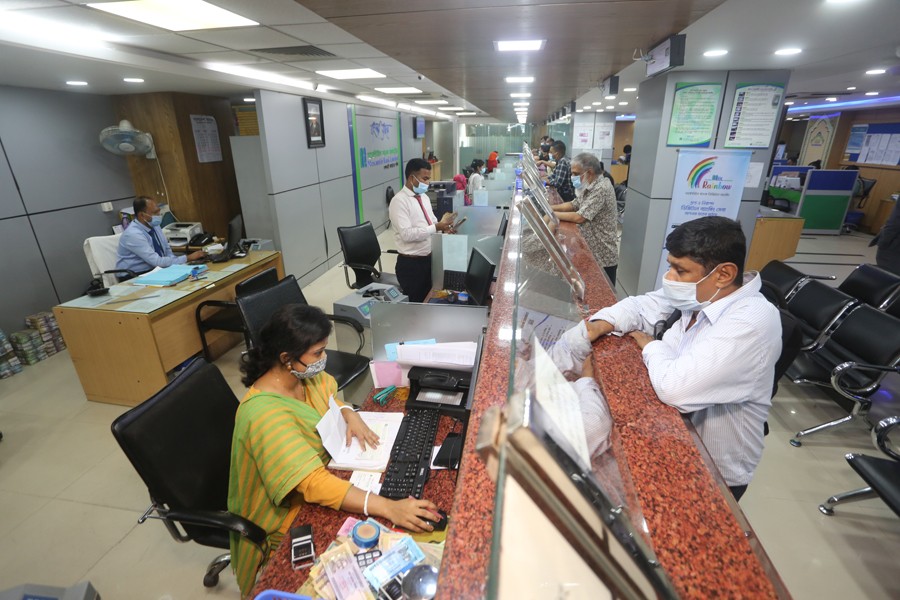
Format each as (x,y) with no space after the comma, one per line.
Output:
(717,362)
(594,209)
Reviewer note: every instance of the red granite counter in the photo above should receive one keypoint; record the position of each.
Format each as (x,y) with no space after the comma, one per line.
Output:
(696,536)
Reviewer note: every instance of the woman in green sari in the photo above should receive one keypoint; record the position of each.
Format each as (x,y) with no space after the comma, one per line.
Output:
(277,457)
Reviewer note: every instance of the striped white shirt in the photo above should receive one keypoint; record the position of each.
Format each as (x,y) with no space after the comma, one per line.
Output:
(720,371)
(413,222)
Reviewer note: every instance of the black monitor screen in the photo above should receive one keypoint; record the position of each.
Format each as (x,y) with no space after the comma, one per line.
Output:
(235,233)
(478,277)
(504,221)
(419,127)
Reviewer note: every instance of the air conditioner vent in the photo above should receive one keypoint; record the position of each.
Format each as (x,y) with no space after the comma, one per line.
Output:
(297,52)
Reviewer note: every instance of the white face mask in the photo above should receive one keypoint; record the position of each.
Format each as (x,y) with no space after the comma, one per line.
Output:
(311,370)
(683,295)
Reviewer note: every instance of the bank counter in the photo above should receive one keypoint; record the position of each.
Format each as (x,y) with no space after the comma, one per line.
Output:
(545,504)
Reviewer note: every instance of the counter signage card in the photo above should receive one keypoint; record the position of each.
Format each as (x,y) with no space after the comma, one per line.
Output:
(693,114)
(206,138)
(754,114)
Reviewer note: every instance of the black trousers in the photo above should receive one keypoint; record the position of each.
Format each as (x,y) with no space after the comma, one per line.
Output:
(737,491)
(414,275)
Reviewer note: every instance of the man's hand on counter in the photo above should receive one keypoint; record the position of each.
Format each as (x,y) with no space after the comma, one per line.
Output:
(597,329)
(198,255)
(641,338)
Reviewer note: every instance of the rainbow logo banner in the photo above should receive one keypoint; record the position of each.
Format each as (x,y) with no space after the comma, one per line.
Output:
(701,170)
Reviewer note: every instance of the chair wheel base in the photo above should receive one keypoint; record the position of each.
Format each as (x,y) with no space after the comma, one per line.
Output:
(211,580)
(828,512)
(796,443)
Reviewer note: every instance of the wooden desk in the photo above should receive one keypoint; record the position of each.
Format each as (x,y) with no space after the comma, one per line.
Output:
(775,237)
(440,488)
(123,357)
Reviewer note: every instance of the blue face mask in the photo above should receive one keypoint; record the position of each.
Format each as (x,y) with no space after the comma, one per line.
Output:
(483,170)
(576,181)
(155,220)
(420,187)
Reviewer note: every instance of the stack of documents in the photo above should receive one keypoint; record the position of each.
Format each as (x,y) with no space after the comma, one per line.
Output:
(333,430)
(448,355)
(168,276)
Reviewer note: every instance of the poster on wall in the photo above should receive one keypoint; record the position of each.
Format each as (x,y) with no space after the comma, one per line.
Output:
(693,114)
(603,135)
(206,138)
(818,137)
(315,127)
(754,114)
(583,135)
(707,183)
(855,141)
(376,154)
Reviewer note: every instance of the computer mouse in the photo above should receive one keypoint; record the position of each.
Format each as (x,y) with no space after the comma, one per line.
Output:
(439,525)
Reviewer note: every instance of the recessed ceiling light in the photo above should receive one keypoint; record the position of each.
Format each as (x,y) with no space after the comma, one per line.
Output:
(445,108)
(596,103)
(249,99)
(876,71)
(520,95)
(520,103)
(76,83)
(175,15)
(623,104)
(133,80)
(324,88)
(351,74)
(466,114)
(871,93)
(375,100)
(831,99)
(630,89)
(788,51)
(518,45)
(600,110)
(610,97)
(520,80)
(712,53)
(610,107)
(851,88)
(398,90)
(789,103)
(585,108)
(579,110)
(431,102)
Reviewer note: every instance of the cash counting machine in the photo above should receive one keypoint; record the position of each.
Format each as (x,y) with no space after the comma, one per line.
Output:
(358,305)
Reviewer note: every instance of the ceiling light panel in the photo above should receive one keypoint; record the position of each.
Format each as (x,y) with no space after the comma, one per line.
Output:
(432,102)
(175,15)
(520,80)
(398,90)
(714,53)
(788,51)
(519,45)
(520,95)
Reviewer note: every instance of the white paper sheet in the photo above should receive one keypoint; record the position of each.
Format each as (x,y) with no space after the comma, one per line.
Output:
(367,481)
(754,174)
(333,430)
(154,301)
(448,355)
(455,249)
(559,399)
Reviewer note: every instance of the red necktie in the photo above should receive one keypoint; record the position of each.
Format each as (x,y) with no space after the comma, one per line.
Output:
(424,212)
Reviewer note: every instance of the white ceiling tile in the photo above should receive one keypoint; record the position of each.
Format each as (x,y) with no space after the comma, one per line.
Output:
(229,57)
(243,38)
(324,33)
(352,50)
(323,65)
(282,69)
(387,65)
(20,4)
(171,43)
(89,18)
(271,12)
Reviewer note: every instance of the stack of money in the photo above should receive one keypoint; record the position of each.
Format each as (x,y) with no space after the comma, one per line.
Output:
(28,346)
(9,362)
(46,324)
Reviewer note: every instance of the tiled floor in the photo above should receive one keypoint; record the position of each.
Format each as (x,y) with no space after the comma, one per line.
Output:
(69,500)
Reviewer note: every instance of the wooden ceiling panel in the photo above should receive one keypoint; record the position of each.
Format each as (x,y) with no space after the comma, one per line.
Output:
(451,42)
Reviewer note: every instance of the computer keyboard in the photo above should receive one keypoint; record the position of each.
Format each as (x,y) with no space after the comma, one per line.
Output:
(410,462)
(222,256)
(455,280)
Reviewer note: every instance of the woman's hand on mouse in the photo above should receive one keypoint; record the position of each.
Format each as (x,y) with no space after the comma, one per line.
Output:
(411,513)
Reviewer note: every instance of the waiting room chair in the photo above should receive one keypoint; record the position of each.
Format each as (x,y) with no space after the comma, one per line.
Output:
(852,360)
(101,253)
(872,285)
(179,442)
(786,279)
(257,308)
(228,317)
(818,308)
(362,252)
(882,475)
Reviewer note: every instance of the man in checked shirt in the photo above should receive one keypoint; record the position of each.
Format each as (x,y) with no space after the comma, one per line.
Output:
(717,362)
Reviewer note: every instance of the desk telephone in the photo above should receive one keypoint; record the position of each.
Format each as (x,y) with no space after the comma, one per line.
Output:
(201,239)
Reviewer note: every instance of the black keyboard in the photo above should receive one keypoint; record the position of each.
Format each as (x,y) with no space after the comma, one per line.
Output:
(222,256)
(455,280)
(410,463)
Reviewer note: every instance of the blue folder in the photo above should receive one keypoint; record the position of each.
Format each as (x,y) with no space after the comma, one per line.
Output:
(169,275)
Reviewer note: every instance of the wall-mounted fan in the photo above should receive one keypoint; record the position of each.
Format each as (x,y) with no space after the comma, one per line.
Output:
(123,139)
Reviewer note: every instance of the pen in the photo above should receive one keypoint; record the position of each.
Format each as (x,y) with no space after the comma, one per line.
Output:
(133,299)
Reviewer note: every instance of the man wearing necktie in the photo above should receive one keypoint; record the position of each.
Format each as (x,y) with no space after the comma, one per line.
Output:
(143,245)
(413,222)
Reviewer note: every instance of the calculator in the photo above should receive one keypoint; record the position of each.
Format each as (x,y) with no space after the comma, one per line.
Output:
(364,559)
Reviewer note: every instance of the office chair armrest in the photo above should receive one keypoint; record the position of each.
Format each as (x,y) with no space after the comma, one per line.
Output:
(880,434)
(368,268)
(853,393)
(214,303)
(220,520)
(824,277)
(390,252)
(356,327)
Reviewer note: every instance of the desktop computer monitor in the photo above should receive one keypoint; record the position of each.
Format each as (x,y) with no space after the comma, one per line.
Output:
(235,233)
(504,221)
(479,275)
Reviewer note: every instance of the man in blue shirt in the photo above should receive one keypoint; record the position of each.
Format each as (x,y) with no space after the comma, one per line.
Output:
(143,246)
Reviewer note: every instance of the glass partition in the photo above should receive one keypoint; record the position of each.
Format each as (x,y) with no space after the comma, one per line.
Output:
(478,141)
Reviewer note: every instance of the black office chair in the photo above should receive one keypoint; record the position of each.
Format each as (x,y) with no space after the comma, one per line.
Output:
(852,360)
(228,317)
(818,309)
(388,196)
(882,475)
(786,279)
(362,252)
(179,442)
(872,285)
(257,308)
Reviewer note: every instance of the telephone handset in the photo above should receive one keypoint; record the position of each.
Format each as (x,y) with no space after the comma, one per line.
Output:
(201,239)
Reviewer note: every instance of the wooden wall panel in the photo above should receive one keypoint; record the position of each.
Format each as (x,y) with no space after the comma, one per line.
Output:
(888,177)
(204,192)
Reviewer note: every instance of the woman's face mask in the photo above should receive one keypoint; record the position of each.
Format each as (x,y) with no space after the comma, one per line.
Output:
(312,369)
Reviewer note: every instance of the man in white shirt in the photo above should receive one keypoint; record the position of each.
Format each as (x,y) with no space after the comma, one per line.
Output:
(717,363)
(413,222)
